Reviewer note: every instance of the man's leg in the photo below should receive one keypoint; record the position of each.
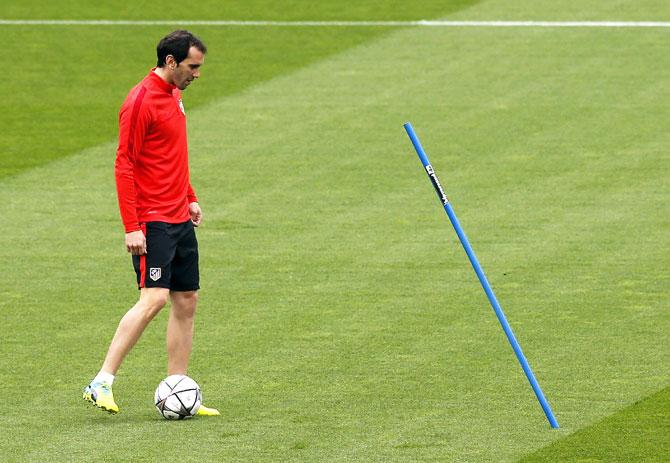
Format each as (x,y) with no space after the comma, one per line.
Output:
(185,282)
(180,337)
(130,328)
(132,325)
(180,330)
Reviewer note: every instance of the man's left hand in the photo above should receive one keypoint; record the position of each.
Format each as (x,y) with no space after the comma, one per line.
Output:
(196,213)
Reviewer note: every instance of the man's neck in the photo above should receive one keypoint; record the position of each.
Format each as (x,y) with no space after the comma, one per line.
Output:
(163,74)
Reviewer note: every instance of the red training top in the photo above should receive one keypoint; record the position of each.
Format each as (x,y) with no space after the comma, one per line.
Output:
(152,176)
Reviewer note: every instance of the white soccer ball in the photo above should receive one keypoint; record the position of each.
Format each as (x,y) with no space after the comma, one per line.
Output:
(178,397)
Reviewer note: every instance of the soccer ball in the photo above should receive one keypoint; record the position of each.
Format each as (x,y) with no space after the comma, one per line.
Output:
(178,397)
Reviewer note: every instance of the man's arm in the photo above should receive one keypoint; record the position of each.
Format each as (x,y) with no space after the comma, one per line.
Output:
(133,125)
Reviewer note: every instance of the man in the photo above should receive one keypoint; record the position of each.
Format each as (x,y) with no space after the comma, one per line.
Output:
(159,210)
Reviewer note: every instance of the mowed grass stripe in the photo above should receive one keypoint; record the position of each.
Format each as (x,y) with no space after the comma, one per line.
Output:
(641,429)
(290,10)
(574,208)
(341,320)
(362,23)
(57,104)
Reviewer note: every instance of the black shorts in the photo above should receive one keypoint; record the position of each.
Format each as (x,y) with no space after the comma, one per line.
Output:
(171,260)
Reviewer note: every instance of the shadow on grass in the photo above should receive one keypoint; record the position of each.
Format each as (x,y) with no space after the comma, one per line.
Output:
(640,432)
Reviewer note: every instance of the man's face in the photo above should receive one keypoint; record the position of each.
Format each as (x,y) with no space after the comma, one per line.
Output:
(189,69)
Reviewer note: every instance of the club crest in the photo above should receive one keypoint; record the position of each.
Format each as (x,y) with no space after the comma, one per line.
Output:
(155,273)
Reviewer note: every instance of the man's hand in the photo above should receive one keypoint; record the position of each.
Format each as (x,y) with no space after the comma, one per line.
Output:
(196,213)
(136,243)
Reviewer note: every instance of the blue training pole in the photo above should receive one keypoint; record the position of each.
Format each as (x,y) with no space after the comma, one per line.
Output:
(480,274)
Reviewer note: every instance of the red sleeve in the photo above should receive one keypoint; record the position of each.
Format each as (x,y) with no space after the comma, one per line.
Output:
(133,124)
(190,194)
(192,198)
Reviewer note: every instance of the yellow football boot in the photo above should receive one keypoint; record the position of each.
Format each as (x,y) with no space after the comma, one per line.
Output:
(206,411)
(100,395)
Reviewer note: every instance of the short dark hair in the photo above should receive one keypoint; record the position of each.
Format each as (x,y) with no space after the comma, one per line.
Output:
(177,44)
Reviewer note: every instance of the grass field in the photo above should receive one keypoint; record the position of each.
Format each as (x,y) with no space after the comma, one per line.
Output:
(339,317)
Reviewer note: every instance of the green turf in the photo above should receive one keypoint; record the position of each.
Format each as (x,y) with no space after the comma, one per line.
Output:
(294,10)
(637,433)
(60,96)
(339,318)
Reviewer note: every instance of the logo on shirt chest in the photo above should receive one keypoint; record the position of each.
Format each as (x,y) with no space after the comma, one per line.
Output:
(181,106)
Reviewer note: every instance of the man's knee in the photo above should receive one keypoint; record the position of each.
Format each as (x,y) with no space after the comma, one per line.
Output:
(152,300)
(184,303)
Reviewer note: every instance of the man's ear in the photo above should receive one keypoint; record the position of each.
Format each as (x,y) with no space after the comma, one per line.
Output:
(170,62)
